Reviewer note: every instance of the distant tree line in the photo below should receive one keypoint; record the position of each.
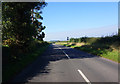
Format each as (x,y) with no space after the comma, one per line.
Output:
(83,39)
(106,39)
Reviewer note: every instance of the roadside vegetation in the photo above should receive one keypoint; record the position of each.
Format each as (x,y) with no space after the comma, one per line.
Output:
(22,36)
(11,67)
(106,47)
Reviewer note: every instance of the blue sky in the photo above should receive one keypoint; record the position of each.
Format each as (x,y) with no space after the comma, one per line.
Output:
(77,19)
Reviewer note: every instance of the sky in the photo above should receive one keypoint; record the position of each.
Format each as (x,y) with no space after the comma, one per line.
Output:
(82,0)
(79,19)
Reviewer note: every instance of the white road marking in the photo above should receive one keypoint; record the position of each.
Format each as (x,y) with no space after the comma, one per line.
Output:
(85,78)
(81,73)
(65,53)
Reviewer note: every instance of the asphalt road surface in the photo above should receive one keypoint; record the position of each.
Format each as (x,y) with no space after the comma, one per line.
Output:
(64,64)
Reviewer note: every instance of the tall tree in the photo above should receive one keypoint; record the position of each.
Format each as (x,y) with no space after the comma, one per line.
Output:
(17,23)
(18,27)
(38,25)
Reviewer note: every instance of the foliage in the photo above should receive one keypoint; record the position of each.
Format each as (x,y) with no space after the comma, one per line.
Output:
(84,39)
(20,29)
(17,25)
(90,40)
(11,68)
(21,25)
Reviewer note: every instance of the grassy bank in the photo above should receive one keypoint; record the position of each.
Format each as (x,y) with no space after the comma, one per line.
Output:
(11,68)
(99,49)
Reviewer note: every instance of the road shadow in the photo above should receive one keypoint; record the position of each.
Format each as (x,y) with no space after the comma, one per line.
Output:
(77,54)
(40,65)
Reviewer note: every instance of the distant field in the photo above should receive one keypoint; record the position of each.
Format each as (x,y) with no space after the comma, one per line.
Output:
(61,43)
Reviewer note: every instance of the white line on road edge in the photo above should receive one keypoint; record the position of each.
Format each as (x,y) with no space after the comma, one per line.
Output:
(84,76)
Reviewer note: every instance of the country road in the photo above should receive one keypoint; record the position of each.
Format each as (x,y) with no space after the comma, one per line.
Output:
(64,64)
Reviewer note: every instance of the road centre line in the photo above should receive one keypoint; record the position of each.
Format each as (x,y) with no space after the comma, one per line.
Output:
(80,72)
(64,53)
(85,78)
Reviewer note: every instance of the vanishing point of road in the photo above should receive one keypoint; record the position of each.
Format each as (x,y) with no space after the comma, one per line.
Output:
(63,64)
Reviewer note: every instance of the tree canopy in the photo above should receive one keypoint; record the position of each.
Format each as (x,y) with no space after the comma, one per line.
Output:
(20,21)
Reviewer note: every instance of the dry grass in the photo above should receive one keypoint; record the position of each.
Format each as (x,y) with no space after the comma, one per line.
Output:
(80,44)
(71,43)
(115,46)
(61,43)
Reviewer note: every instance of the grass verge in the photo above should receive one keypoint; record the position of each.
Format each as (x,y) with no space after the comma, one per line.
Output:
(109,54)
(102,50)
(12,68)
